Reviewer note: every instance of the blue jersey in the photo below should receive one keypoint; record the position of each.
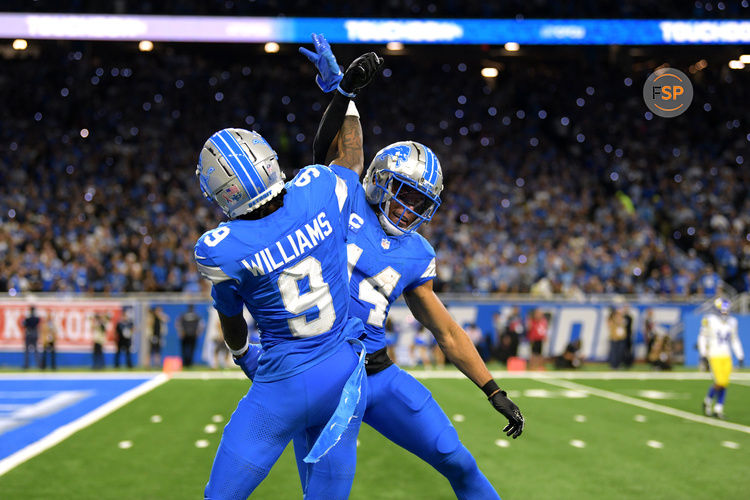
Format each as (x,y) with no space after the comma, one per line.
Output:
(289,269)
(381,267)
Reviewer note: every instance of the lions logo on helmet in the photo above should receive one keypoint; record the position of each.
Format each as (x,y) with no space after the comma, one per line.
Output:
(722,305)
(404,181)
(239,171)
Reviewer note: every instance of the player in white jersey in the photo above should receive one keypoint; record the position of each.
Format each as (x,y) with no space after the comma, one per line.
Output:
(716,341)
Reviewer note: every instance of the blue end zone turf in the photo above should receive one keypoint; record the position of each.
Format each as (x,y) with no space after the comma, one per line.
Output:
(32,408)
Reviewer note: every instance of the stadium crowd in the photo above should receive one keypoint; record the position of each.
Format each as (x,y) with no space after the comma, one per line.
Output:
(558,180)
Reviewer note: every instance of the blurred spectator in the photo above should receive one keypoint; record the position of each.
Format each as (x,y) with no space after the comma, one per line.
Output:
(157,328)
(49,337)
(99,330)
(31,337)
(189,328)
(509,335)
(391,337)
(660,354)
(478,339)
(571,358)
(537,334)
(628,356)
(617,334)
(124,337)
(220,355)
(650,331)
(425,349)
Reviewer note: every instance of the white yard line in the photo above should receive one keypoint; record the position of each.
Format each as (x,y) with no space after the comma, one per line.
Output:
(447,373)
(614,375)
(570,375)
(68,430)
(647,405)
(77,375)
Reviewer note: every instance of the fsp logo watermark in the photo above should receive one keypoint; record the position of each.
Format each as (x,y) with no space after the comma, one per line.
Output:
(668,92)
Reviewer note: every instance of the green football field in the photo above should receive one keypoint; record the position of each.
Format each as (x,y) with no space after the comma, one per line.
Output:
(586,438)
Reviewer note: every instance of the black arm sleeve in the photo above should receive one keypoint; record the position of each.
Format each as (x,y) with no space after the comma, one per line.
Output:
(329,126)
(234,330)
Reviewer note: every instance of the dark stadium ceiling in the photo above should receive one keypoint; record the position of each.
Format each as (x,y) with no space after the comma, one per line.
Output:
(650,56)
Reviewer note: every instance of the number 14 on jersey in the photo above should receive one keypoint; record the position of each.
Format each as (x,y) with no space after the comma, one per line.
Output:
(375,290)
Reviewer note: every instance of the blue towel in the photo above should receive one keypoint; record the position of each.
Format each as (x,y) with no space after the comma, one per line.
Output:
(346,411)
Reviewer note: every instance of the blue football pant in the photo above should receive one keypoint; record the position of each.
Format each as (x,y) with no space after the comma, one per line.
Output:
(270,414)
(404,411)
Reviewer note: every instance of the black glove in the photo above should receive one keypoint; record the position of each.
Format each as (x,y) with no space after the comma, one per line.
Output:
(703,366)
(741,362)
(508,408)
(359,73)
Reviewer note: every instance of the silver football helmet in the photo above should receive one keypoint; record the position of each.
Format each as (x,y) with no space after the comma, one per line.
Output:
(239,171)
(404,181)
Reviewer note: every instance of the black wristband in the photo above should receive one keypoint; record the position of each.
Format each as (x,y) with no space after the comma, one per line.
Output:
(490,388)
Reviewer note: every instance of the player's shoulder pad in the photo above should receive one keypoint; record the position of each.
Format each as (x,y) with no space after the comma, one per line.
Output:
(208,260)
(320,182)
(325,173)
(424,255)
(317,179)
(422,246)
(349,175)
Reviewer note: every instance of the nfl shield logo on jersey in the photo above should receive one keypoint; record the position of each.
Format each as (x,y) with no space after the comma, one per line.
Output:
(385,243)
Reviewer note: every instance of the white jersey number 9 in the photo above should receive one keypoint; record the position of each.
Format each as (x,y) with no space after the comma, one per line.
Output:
(215,236)
(297,303)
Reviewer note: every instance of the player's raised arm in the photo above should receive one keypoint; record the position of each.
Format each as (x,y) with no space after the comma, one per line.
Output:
(339,135)
(458,348)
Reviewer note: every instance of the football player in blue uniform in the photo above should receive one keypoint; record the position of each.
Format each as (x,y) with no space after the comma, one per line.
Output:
(388,258)
(282,254)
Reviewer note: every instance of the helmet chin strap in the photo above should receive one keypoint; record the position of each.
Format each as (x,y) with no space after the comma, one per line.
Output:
(388,226)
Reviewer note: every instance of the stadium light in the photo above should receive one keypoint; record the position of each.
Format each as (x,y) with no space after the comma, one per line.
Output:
(490,72)
(271,47)
(145,46)
(745,58)
(512,47)
(20,44)
(394,46)
(736,64)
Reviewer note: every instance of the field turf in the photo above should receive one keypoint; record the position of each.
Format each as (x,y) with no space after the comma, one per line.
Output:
(623,440)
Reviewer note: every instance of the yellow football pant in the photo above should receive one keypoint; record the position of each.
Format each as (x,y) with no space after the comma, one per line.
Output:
(721,368)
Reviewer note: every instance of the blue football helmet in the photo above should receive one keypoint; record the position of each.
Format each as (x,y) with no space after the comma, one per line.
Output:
(239,171)
(404,181)
(722,306)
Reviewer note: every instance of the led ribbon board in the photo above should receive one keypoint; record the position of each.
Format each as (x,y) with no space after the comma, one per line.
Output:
(340,30)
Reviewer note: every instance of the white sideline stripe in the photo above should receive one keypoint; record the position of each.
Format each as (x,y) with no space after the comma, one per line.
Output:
(78,375)
(502,375)
(647,405)
(67,430)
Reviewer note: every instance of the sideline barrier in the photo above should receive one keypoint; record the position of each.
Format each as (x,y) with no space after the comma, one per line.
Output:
(568,320)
